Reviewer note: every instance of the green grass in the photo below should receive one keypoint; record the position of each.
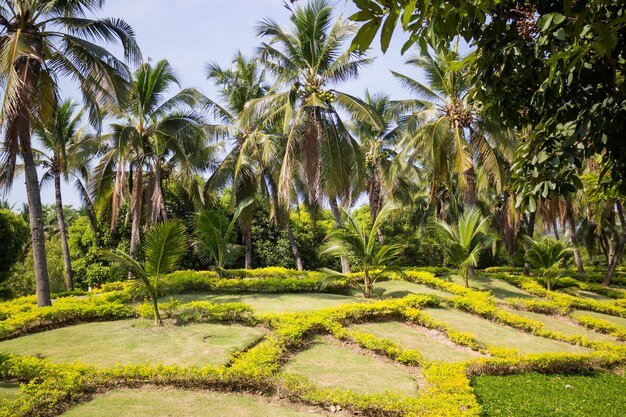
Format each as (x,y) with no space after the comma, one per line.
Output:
(330,366)
(8,391)
(275,303)
(499,288)
(563,325)
(399,289)
(499,335)
(168,403)
(535,395)
(589,295)
(619,321)
(432,345)
(136,341)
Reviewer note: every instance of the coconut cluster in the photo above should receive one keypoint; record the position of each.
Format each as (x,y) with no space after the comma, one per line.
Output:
(324,95)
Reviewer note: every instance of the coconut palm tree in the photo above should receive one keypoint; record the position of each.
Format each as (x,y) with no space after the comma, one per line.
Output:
(466,240)
(387,176)
(361,248)
(42,41)
(164,246)
(70,147)
(151,129)
(444,125)
(243,165)
(308,60)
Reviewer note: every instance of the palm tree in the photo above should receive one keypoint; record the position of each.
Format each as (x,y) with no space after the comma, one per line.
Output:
(444,124)
(70,147)
(152,129)
(213,237)
(306,60)
(386,175)
(361,248)
(164,246)
(243,166)
(466,240)
(547,255)
(40,42)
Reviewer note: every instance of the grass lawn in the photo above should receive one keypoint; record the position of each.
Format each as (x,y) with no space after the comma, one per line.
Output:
(399,289)
(589,295)
(535,395)
(330,366)
(619,321)
(166,403)
(136,341)
(499,288)
(563,325)
(8,391)
(275,303)
(432,345)
(499,335)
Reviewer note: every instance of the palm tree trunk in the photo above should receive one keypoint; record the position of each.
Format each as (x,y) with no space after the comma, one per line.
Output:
(569,212)
(555,228)
(294,248)
(246,234)
(67,262)
(375,201)
(37,237)
(470,191)
(136,205)
(334,207)
(619,247)
(509,227)
(530,231)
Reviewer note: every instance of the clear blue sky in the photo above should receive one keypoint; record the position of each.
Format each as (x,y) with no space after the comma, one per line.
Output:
(190,33)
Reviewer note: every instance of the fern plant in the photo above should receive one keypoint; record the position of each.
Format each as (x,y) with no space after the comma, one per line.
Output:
(164,245)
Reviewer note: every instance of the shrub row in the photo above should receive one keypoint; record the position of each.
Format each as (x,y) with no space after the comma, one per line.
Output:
(601,326)
(565,300)
(483,305)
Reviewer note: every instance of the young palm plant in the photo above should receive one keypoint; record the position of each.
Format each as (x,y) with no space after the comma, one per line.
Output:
(362,249)
(466,240)
(213,237)
(547,255)
(164,245)
(42,41)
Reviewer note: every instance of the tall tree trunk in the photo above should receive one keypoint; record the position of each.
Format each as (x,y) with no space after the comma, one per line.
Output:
(136,205)
(555,229)
(509,227)
(294,248)
(67,262)
(569,213)
(375,201)
(470,191)
(246,234)
(334,206)
(530,231)
(616,255)
(37,237)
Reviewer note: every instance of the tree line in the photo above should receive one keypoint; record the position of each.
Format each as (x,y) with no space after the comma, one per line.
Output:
(283,140)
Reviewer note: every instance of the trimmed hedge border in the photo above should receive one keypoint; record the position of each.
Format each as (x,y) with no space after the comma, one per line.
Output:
(49,389)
